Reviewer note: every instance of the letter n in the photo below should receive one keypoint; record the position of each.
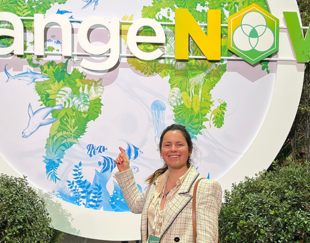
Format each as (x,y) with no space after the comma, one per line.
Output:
(39,26)
(186,25)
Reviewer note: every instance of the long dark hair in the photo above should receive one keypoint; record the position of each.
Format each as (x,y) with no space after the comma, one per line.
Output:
(173,127)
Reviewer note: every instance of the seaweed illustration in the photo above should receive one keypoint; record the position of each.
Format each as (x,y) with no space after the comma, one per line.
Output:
(79,187)
(94,195)
(81,99)
(191,82)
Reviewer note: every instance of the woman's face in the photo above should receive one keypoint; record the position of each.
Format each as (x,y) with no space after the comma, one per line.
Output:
(174,150)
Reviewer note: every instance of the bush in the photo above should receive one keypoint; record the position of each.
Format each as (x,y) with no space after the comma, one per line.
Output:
(23,217)
(272,207)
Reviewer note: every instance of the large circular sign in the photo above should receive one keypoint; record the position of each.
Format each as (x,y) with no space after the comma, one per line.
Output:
(61,124)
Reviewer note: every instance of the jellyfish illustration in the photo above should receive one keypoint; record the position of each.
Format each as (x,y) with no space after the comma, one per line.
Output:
(158,116)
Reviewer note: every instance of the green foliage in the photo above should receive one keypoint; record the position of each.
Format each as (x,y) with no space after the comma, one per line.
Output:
(265,66)
(297,143)
(33,62)
(218,114)
(194,79)
(272,207)
(50,48)
(304,11)
(196,86)
(72,122)
(56,236)
(23,217)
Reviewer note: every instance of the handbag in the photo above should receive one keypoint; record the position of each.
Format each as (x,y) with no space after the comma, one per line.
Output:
(194,212)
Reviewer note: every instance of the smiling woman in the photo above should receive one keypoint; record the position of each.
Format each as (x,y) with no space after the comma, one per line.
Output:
(166,203)
(175,151)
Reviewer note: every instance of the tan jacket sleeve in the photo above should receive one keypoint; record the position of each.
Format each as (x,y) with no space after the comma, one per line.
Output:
(208,209)
(134,198)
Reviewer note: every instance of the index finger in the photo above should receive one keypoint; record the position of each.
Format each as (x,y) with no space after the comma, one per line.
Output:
(122,151)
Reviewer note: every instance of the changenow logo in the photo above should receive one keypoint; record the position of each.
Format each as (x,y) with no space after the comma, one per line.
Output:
(253,34)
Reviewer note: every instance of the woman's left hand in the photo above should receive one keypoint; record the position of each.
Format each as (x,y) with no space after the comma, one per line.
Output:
(122,161)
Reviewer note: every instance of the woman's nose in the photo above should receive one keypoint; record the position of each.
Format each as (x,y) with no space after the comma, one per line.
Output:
(173,147)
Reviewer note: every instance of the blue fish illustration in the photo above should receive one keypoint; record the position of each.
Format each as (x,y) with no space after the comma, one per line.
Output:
(49,40)
(62,11)
(93,150)
(89,2)
(132,151)
(134,169)
(53,36)
(58,42)
(74,21)
(37,119)
(28,76)
(108,164)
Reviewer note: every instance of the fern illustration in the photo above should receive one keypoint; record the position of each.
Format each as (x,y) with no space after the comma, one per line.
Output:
(80,187)
(96,195)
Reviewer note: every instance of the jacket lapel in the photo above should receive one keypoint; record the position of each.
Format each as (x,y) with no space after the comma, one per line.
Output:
(181,199)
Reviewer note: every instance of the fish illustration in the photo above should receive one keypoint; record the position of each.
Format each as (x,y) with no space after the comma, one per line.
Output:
(29,76)
(53,36)
(108,164)
(58,42)
(93,150)
(37,119)
(89,2)
(62,11)
(49,40)
(132,151)
(134,169)
(74,21)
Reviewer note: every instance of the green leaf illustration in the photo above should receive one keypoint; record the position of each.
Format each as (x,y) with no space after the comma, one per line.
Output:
(217,115)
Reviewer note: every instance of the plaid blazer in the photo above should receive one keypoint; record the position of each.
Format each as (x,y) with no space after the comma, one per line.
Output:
(178,226)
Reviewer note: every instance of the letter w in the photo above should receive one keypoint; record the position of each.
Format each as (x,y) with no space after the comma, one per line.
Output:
(301,45)
(186,25)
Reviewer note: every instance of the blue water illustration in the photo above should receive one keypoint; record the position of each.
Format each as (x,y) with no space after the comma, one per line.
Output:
(38,119)
(108,164)
(89,2)
(93,195)
(158,109)
(29,76)
(93,150)
(49,40)
(132,151)
(58,42)
(62,12)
